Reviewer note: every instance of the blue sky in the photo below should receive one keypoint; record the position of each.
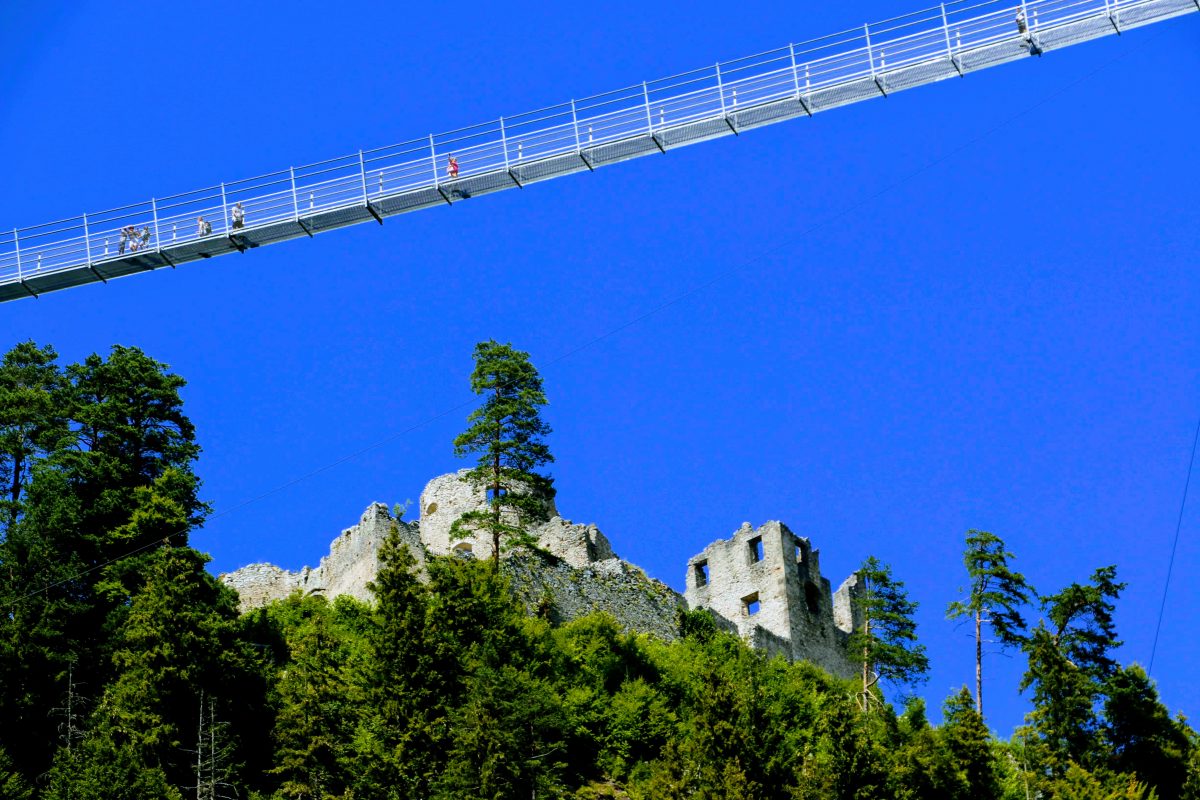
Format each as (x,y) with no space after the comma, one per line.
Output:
(968,305)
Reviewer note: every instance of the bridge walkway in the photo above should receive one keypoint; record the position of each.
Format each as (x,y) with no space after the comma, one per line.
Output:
(726,99)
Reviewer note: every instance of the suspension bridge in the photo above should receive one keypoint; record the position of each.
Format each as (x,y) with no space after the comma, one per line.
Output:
(653,117)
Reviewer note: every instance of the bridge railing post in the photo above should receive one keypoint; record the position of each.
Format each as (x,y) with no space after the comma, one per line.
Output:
(795,71)
(870,55)
(433,162)
(17,245)
(295,197)
(362,169)
(575,125)
(87,242)
(646,99)
(504,139)
(720,89)
(154,211)
(224,210)
(946,31)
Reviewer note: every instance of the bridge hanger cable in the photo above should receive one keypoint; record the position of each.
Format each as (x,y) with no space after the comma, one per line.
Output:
(738,268)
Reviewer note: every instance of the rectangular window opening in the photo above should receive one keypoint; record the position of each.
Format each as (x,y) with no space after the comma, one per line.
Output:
(750,604)
(799,554)
(701,568)
(756,550)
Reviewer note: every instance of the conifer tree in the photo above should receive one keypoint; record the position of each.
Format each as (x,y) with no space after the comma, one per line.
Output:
(993,598)
(885,640)
(1069,662)
(33,420)
(506,434)
(1139,734)
(968,743)
(318,711)
(397,744)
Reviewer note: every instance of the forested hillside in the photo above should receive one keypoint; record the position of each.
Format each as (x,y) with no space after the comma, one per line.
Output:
(126,672)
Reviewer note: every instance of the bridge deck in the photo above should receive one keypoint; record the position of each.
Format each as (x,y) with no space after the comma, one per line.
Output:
(795,81)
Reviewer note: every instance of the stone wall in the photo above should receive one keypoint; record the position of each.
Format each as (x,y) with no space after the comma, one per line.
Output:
(351,564)
(767,583)
(637,601)
(763,583)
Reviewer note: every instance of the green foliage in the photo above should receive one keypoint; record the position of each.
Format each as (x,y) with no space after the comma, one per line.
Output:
(1077,783)
(125,673)
(12,783)
(886,640)
(994,598)
(317,707)
(32,421)
(506,434)
(101,454)
(1141,737)
(1069,663)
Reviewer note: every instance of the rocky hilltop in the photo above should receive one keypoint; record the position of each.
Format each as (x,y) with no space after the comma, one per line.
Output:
(764,584)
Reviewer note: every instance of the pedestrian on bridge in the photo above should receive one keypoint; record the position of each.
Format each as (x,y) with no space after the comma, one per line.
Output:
(1022,25)
(238,215)
(452,168)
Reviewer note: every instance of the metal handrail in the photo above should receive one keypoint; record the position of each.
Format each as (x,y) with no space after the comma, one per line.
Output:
(799,70)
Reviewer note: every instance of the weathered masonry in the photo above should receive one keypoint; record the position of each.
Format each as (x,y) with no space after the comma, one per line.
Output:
(763,584)
(766,584)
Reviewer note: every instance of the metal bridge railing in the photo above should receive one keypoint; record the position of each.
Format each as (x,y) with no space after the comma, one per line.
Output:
(811,73)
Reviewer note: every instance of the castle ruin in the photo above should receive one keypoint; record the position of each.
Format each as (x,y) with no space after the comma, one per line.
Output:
(764,584)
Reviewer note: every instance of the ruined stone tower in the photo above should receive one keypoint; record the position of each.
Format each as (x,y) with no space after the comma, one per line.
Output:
(767,585)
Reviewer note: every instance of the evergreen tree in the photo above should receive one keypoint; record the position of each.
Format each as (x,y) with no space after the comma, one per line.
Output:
(1140,735)
(993,598)
(33,421)
(175,645)
(400,734)
(12,783)
(1069,662)
(506,433)
(969,746)
(314,727)
(885,642)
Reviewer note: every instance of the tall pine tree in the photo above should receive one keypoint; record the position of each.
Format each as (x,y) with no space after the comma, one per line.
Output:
(506,434)
(994,598)
(884,641)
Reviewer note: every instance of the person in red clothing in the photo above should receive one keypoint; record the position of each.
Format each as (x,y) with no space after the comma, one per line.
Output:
(452,168)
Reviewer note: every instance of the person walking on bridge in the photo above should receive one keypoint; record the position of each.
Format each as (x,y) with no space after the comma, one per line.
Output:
(452,168)
(238,215)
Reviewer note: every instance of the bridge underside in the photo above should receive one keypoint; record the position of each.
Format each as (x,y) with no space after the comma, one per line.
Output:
(375,206)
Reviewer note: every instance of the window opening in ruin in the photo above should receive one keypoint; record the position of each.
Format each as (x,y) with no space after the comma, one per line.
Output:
(812,597)
(463,549)
(799,554)
(750,604)
(756,550)
(701,568)
(492,494)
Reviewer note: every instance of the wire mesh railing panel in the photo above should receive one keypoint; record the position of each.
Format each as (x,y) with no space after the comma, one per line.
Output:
(802,78)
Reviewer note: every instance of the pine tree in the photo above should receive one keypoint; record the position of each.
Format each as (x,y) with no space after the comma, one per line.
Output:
(506,433)
(1069,662)
(399,740)
(175,646)
(969,745)
(886,640)
(1140,735)
(993,598)
(313,729)
(32,421)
